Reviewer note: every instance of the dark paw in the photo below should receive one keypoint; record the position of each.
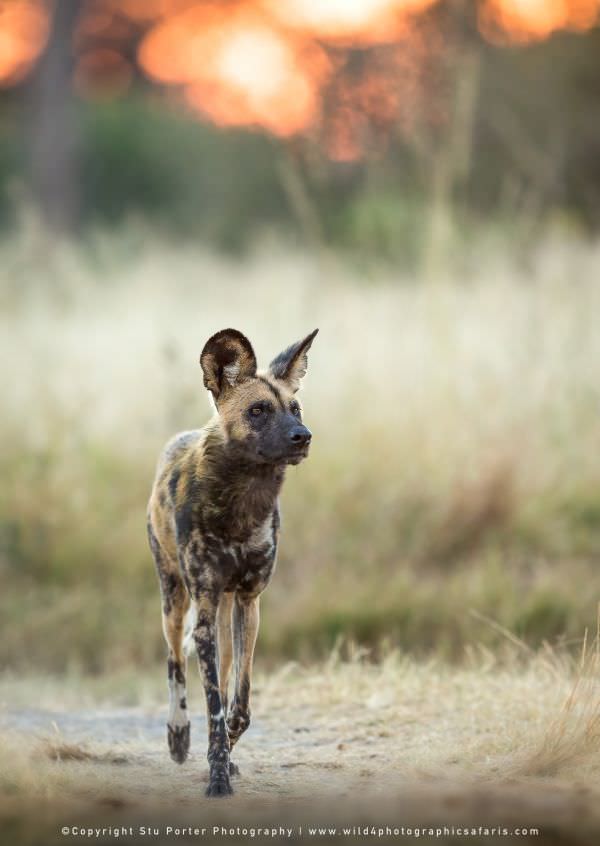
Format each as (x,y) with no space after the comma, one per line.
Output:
(179,742)
(234,770)
(219,786)
(237,723)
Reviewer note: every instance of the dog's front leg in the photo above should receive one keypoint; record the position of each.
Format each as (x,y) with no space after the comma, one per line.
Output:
(245,631)
(206,646)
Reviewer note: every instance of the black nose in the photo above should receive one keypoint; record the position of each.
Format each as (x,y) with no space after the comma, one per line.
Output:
(300,435)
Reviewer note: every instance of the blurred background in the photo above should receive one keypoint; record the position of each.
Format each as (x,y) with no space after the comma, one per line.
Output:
(418,178)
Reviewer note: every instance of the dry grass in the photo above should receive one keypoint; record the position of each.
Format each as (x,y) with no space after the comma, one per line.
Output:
(572,737)
(58,750)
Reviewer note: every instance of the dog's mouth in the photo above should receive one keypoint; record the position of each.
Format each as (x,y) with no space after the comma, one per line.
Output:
(292,457)
(297,455)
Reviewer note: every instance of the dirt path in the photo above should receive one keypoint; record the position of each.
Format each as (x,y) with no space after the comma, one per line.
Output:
(127,749)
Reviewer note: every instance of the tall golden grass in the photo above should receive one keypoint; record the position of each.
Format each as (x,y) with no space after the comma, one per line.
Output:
(455,464)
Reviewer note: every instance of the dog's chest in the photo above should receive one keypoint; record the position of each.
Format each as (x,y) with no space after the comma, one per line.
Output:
(248,564)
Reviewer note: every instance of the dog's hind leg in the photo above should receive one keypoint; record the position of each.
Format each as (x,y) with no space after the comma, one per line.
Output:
(175,603)
(178,725)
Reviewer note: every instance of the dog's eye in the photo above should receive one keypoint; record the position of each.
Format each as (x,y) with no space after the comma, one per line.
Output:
(295,409)
(256,410)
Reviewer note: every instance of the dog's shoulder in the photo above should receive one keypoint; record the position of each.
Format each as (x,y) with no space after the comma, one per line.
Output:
(181,443)
(180,461)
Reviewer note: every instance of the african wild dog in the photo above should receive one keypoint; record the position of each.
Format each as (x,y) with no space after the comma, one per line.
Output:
(213,525)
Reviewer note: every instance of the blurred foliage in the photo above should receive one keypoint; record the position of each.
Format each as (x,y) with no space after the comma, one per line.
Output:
(138,158)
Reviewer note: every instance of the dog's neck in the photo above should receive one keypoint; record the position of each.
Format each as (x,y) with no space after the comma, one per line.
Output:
(243,491)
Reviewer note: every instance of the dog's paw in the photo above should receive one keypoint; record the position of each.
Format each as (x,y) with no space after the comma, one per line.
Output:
(218,787)
(179,742)
(237,723)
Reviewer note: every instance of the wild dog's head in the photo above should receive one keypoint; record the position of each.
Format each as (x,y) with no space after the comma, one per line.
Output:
(260,413)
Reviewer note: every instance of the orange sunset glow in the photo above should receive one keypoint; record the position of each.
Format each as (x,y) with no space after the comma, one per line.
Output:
(23,34)
(350,22)
(238,69)
(266,63)
(534,20)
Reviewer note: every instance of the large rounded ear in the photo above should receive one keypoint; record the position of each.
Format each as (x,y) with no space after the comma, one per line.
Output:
(290,365)
(226,360)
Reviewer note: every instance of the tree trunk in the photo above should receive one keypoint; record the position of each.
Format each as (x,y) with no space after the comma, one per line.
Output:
(53,127)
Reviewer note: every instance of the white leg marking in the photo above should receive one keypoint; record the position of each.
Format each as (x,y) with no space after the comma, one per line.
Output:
(178,716)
